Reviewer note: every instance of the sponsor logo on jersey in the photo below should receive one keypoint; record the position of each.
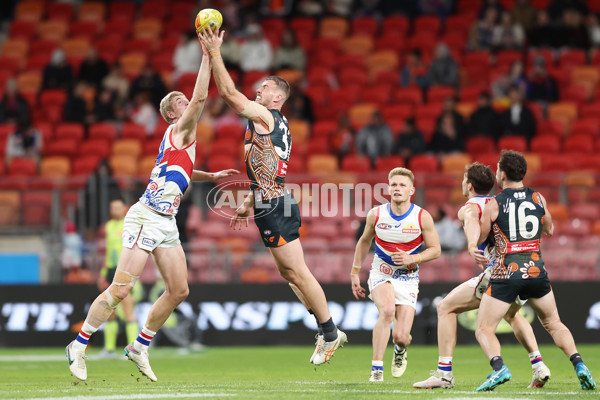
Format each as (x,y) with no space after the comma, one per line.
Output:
(411,228)
(384,226)
(177,200)
(386,269)
(153,186)
(519,247)
(267,232)
(519,195)
(282,168)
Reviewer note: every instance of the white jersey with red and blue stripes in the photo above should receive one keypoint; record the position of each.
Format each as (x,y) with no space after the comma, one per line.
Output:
(170,176)
(487,246)
(397,232)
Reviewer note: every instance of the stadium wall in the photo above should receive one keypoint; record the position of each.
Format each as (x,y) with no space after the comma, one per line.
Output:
(246,314)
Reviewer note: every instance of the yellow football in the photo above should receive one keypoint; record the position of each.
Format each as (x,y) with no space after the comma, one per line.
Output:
(208,18)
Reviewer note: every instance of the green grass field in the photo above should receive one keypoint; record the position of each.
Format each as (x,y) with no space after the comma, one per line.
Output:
(279,373)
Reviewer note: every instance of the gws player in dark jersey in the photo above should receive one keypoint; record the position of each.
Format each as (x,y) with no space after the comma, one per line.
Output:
(518,216)
(477,183)
(268,144)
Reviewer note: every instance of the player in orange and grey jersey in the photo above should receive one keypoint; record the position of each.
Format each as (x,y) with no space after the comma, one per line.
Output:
(518,217)
(477,183)
(268,145)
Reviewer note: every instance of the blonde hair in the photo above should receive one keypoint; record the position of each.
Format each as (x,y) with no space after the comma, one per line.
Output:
(402,172)
(166,104)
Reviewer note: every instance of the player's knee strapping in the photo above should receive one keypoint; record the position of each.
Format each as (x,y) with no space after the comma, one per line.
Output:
(107,302)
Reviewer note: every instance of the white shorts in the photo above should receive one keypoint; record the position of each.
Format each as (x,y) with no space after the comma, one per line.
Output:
(149,229)
(406,291)
(480,283)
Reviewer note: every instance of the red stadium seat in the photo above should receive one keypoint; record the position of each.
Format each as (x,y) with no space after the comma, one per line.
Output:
(386,164)
(517,143)
(68,147)
(438,94)
(427,24)
(480,145)
(85,165)
(131,130)
(102,130)
(397,111)
(424,163)
(545,144)
(396,24)
(69,130)
(22,167)
(409,95)
(579,144)
(97,147)
(356,164)
(36,207)
(365,25)
(572,58)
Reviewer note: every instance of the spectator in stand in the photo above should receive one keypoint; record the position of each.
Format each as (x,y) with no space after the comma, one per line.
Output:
(117,84)
(491,4)
(75,107)
(188,55)
(93,69)
(24,142)
(342,139)
(515,77)
(518,119)
(101,186)
(231,52)
(484,121)
(508,35)
(415,71)
(524,13)
(541,87)
(289,54)
(593,27)
(298,105)
(309,8)
(543,34)
(256,52)
(449,106)
(410,141)
(446,138)
(104,106)
(58,73)
(375,139)
(72,254)
(443,69)
(573,34)
(149,81)
(143,113)
(558,7)
(13,106)
(482,30)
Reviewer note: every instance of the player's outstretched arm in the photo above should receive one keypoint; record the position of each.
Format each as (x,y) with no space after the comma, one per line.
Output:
(201,176)
(240,217)
(186,125)
(547,226)
(360,253)
(255,112)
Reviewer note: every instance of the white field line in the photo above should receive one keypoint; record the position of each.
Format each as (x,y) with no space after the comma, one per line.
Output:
(138,396)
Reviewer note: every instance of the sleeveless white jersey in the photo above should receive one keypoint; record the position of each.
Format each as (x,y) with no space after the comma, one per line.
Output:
(170,176)
(397,232)
(489,250)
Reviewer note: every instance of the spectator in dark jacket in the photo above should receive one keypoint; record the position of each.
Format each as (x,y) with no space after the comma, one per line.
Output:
(541,86)
(543,34)
(149,81)
(484,121)
(75,108)
(13,106)
(518,119)
(57,74)
(375,139)
(446,139)
(573,34)
(410,141)
(93,69)
(443,69)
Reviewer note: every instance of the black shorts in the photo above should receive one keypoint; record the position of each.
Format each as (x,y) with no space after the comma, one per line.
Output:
(278,220)
(507,290)
(110,274)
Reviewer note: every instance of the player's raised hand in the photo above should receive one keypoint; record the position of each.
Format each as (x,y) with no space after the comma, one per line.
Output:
(211,39)
(217,176)
(240,217)
(357,290)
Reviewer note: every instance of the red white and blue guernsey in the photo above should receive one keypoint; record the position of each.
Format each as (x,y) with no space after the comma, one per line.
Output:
(487,246)
(170,176)
(393,233)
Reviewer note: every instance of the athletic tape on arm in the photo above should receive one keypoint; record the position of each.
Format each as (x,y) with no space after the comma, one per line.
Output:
(253,110)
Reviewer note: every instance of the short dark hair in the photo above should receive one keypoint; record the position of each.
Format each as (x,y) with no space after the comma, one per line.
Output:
(481,177)
(282,85)
(513,164)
